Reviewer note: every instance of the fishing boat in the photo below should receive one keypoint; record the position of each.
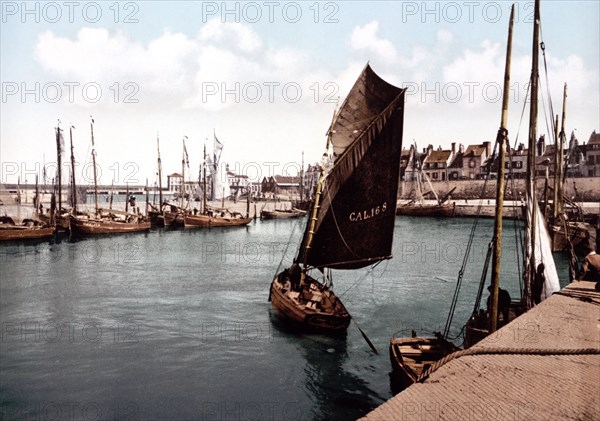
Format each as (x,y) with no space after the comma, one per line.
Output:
(29,229)
(213,217)
(412,357)
(282,213)
(351,220)
(417,206)
(540,278)
(102,221)
(155,212)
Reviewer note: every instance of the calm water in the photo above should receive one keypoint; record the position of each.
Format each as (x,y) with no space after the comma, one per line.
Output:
(176,324)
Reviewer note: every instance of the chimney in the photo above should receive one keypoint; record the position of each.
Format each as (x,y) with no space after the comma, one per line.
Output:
(461,148)
(541,145)
(488,148)
(453,148)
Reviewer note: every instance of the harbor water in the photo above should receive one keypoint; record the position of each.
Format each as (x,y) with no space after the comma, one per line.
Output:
(176,324)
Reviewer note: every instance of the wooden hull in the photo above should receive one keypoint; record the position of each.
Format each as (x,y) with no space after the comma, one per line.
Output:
(25,233)
(173,219)
(89,227)
(477,327)
(290,306)
(577,233)
(438,211)
(206,221)
(156,219)
(410,357)
(282,214)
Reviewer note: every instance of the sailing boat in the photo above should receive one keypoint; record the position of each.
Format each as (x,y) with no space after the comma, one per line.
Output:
(103,222)
(412,357)
(216,217)
(351,220)
(29,228)
(417,207)
(155,214)
(540,278)
(174,216)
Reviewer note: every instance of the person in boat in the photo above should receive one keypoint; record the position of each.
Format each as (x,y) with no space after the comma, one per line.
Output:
(538,284)
(503,303)
(590,267)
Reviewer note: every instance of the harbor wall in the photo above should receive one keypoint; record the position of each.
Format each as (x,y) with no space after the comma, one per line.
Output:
(581,189)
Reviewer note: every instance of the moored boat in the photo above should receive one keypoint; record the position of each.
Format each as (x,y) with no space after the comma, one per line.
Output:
(282,213)
(411,357)
(28,230)
(352,216)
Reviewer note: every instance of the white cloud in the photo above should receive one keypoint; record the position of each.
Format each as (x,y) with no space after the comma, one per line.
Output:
(366,38)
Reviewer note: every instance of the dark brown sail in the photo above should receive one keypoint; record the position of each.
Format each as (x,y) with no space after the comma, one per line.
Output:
(355,219)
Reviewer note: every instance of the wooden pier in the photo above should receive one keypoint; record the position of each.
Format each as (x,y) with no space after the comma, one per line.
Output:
(544,365)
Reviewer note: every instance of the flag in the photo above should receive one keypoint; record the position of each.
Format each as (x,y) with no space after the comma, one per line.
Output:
(218,147)
(186,158)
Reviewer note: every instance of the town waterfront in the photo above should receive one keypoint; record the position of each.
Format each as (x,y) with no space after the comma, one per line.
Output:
(176,324)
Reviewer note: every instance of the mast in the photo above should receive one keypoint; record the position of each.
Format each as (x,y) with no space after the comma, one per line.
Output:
(316,205)
(204,182)
(147,197)
(302,179)
(94,163)
(160,198)
(59,164)
(562,138)
(127,198)
(36,202)
(183,156)
(533,112)
(556,172)
(73,185)
(501,140)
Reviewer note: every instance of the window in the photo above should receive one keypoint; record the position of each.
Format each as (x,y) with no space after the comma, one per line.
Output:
(435,175)
(591,160)
(471,163)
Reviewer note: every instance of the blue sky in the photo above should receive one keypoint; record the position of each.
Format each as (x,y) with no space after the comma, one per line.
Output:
(265,76)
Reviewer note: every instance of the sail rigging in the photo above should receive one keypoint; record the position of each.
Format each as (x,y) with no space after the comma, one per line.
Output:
(355,215)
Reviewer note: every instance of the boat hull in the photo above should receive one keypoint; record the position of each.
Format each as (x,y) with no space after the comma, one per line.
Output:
(282,214)
(438,211)
(89,227)
(25,233)
(411,357)
(309,319)
(206,221)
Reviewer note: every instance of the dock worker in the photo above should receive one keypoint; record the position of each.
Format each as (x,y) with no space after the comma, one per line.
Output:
(503,303)
(590,267)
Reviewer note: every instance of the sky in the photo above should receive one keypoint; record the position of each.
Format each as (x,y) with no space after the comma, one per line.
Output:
(265,78)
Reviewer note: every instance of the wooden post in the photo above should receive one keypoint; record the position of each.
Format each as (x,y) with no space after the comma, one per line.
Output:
(500,186)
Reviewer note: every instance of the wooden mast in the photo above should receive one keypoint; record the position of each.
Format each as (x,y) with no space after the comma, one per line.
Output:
(533,112)
(94,163)
(73,185)
(160,198)
(317,203)
(562,139)
(59,164)
(555,205)
(500,184)
(204,182)
(183,159)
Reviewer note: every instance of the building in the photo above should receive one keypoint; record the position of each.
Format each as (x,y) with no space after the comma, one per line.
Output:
(474,160)
(281,185)
(436,163)
(592,156)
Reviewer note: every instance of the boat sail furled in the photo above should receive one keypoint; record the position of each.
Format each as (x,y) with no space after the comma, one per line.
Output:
(352,217)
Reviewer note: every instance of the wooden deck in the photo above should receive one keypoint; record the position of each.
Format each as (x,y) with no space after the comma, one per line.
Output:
(544,365)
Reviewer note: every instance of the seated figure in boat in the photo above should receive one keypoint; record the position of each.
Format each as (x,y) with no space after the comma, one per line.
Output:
(590,267)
